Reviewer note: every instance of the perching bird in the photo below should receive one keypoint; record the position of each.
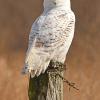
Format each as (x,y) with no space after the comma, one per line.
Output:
(50,36)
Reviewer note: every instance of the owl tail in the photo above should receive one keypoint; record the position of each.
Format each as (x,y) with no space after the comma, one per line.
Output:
(35,72)
(36,63)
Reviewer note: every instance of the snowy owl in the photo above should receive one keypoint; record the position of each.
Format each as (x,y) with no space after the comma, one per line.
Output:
(50,36)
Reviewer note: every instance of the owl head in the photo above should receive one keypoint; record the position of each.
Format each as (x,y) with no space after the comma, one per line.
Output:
(54,3)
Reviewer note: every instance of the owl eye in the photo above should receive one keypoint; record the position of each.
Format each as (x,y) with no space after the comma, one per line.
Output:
(55,2)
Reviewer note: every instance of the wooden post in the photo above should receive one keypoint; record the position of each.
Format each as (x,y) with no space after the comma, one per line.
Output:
(48,86)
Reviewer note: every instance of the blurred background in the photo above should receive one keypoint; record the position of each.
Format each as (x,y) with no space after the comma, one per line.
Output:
(83,59)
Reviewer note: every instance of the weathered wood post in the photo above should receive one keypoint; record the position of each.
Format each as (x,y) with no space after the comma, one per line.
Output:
(48,86)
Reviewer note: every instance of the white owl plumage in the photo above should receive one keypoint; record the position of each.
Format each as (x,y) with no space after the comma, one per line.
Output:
(50,36)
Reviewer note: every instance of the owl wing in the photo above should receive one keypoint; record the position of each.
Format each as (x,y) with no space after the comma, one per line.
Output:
(50,33)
